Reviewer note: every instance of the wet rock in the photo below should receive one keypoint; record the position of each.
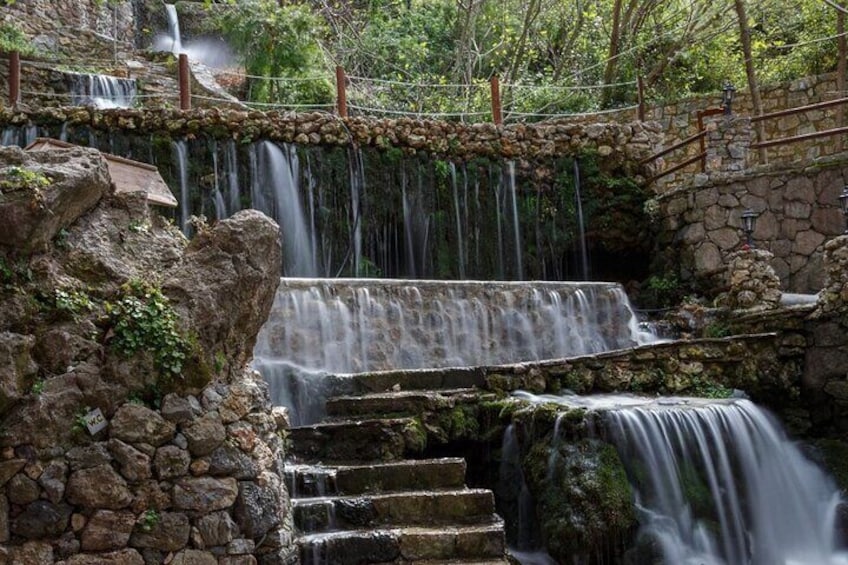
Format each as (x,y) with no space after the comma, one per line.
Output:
(233,462)
(204,494)
(41,519)
(17,368)
(89,456)
(23,490)
(30,553)
(194,557)
(121,557)
(107,530)
(226,283)
(98,487)
(170,462)
(258,504)
(9,468)
(168,533)
(52,480)
(179,409)
(133,423)
(135,465)
(205,434)
(32,213)
(217,529)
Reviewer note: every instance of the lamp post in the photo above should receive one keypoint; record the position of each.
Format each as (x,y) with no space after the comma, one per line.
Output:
(749,222)
(727,98)
(843,204)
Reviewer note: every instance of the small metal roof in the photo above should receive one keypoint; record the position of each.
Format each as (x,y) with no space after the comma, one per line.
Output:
(128,175)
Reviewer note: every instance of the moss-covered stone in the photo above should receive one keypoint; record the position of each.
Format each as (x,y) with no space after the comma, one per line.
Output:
(583,499)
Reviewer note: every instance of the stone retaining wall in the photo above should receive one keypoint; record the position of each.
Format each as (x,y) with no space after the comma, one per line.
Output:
(798,209)
(70,28)
(678,121)
(618,144)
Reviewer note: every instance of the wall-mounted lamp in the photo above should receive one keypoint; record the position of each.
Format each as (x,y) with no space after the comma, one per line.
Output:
(727,98)
(749,223)
(843,204)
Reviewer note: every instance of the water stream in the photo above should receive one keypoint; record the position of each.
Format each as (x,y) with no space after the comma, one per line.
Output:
(101,91)
(341,326)
(717,482)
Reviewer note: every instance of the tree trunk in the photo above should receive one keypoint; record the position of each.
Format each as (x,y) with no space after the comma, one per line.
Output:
(753,87)
(612,55)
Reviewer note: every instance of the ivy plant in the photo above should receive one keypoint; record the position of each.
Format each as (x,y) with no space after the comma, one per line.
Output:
(143,320)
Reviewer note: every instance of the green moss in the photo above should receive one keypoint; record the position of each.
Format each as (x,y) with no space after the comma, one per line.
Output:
(583,497)
(415,436)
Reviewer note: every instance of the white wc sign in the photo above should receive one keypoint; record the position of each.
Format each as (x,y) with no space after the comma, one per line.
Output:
(95,421)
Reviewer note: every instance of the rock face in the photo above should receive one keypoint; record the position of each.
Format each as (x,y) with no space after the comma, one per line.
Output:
(42,194)
(132,428)
(752,283)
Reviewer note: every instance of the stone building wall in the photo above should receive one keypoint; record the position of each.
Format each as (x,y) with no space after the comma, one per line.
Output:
(699,224)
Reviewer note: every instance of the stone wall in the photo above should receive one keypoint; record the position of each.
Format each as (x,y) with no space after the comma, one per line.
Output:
(678,121)
(618,144)
(65,29)
(131,429)
(699,224)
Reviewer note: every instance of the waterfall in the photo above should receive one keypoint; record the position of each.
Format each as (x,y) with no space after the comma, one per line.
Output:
(181,159)
(516,223)
(338,326)
(101,91)
(173,41)
(581,227)
(720,484)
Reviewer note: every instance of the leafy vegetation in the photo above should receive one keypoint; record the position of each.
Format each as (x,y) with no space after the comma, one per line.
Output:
(20,178)
(552,56)
(12,38)
(143,320)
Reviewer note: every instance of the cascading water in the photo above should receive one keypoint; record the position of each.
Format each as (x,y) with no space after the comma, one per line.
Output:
(581,225)
(279,166)
(209,51)
(101,91)
(720,484)
(340,326)
(716,482)
(181,159)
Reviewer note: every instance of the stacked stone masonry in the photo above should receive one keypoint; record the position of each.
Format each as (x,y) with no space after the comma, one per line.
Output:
(798,210)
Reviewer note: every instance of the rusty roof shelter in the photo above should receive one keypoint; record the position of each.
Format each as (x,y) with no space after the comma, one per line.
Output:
(128,175)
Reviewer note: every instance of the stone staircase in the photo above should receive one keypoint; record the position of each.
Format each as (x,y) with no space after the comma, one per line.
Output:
(361,493)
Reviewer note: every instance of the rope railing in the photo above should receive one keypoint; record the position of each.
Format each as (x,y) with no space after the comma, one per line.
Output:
(477,101)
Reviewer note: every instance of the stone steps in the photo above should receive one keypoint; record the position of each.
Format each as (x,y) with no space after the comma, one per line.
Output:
(401,402)
(360,497)
(419,379)
(358,440)
(415,474)
(444,507)
(393,545)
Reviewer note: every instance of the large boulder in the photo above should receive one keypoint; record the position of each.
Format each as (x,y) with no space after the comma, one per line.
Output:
(42,192)
(225,285)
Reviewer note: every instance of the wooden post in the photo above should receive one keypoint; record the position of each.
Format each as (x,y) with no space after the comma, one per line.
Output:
(185,83)
(497,116)
(14,78)
(641,95)
(341,94)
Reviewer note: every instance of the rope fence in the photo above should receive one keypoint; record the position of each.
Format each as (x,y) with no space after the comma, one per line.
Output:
(480,101)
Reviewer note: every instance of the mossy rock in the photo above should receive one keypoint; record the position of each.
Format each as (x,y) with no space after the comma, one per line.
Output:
(583,499)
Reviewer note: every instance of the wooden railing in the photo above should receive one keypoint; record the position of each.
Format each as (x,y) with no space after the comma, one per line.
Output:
(764,144)
(700,137)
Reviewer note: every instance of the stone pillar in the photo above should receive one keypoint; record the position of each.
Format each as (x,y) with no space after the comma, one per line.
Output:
(834,296)
(752,281)
(727,144)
